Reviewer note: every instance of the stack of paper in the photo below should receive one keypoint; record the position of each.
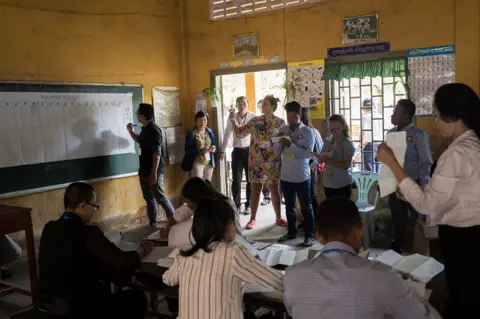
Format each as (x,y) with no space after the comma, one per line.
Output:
(419,267)
(282,255)
(397,141)
(116,239)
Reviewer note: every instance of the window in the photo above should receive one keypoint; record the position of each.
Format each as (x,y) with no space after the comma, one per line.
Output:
(224,9)
(367,105)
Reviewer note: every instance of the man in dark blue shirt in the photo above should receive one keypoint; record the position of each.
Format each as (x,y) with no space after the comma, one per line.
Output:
(151,163)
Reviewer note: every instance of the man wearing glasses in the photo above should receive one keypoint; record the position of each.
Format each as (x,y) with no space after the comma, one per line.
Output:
(151,163)
(76,257)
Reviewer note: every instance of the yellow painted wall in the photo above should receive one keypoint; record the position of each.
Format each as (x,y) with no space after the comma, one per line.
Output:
(98,41)
(305,32)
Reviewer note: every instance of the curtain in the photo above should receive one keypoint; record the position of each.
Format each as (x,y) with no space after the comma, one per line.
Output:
(383,68)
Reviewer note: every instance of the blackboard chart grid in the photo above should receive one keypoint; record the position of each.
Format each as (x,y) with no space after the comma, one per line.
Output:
(33,178)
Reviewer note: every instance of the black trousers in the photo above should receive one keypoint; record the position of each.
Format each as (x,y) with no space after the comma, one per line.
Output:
(154,194)
(461,252)
(400,220)
(345,191)
(314,190)
(240,165)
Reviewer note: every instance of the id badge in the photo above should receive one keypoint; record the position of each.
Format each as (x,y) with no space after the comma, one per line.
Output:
(264,144)
(207,156)
(329,172)
(288,153)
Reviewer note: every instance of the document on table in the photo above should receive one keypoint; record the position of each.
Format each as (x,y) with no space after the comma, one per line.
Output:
(116,239)
(397,141)
(419,267)
(282,255)
(158,253)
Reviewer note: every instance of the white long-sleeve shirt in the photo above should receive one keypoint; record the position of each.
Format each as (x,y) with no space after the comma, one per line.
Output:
(229,132)
(453,195)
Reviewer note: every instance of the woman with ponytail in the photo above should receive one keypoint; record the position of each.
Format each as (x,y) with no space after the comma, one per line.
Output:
(337,153)
(212,274)
(452,198)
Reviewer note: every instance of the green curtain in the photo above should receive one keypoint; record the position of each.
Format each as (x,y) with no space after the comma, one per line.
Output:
(383,68)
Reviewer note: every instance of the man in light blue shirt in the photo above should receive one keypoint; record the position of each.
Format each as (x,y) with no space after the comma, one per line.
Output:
(417,165)
(295,173)
(338,284)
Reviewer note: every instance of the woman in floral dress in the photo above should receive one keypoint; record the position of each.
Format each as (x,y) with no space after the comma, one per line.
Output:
(264,165)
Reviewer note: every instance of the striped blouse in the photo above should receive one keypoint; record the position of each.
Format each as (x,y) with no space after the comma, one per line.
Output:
(211,284)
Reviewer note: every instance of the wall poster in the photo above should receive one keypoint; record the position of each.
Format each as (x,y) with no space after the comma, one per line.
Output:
(428,69)
(310,89)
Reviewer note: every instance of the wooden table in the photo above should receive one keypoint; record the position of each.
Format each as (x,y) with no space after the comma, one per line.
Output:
(14,219)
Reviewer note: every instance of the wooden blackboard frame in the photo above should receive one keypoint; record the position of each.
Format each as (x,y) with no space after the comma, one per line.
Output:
(34,178)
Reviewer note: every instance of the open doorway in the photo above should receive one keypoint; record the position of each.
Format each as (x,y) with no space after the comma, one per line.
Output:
(255,84)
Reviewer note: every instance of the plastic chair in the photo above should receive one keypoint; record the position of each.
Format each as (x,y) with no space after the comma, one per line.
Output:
(364,181)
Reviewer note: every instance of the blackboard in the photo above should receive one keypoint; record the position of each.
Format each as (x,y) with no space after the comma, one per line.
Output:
(19,180)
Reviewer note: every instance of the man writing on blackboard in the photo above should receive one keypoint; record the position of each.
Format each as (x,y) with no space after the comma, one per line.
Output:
(151,162)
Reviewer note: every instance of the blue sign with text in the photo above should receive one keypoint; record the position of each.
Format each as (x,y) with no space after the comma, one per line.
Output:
(359,49)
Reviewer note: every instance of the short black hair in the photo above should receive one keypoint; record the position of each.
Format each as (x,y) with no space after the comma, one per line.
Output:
(293,106)
(306,119)
(196,188)
(77,193)
(337,216)
(201,114)
(457,101)
(146,110)
(408,106)
(210,223)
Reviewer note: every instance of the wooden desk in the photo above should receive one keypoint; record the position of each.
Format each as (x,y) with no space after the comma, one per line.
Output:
(14,219)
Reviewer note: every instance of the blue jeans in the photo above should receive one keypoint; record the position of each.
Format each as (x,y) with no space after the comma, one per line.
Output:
(290,192)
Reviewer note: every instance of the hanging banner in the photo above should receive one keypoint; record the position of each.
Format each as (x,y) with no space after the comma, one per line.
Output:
(359,49)
(428,69)
(306,86)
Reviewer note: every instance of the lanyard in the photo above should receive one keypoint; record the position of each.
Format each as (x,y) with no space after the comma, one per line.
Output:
(64,217)
(336,250)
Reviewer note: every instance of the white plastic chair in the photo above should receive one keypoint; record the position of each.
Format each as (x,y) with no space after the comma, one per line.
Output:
(364,181)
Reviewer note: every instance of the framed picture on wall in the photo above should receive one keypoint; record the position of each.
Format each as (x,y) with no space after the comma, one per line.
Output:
(246,45)
(360,29)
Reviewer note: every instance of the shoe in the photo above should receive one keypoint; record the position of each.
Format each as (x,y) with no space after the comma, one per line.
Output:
(251,224)
(281,222)
(5,274)
(287,237)
(246,211)
(309,242)
(152,224)
(396,249)
(265,201)
(301,226)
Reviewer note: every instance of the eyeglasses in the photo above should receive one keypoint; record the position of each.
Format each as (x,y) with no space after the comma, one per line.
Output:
(95,207)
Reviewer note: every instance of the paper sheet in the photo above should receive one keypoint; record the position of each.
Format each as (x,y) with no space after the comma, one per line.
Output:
(397,141)
(419,267)
(166,104)
(116,239)
(282,255)
(175,137)
(42,127)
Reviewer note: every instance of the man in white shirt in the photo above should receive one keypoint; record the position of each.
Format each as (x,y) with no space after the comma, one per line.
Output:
(241,148)
(370,137)
(339,284)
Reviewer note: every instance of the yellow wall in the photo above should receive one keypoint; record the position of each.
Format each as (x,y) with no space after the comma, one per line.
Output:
(305,32)
(146,42)
(100,41)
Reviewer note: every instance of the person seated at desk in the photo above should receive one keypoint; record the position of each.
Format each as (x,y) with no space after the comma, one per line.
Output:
(193,190)
(75,258)
(212,274)
(340,284)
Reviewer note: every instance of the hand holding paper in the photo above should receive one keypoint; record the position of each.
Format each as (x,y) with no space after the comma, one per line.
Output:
(392,150)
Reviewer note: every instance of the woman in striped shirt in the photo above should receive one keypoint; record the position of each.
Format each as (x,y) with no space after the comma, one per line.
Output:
(212,274)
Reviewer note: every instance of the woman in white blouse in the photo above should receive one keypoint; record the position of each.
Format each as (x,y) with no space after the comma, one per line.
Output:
(212,274)
(452,198)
